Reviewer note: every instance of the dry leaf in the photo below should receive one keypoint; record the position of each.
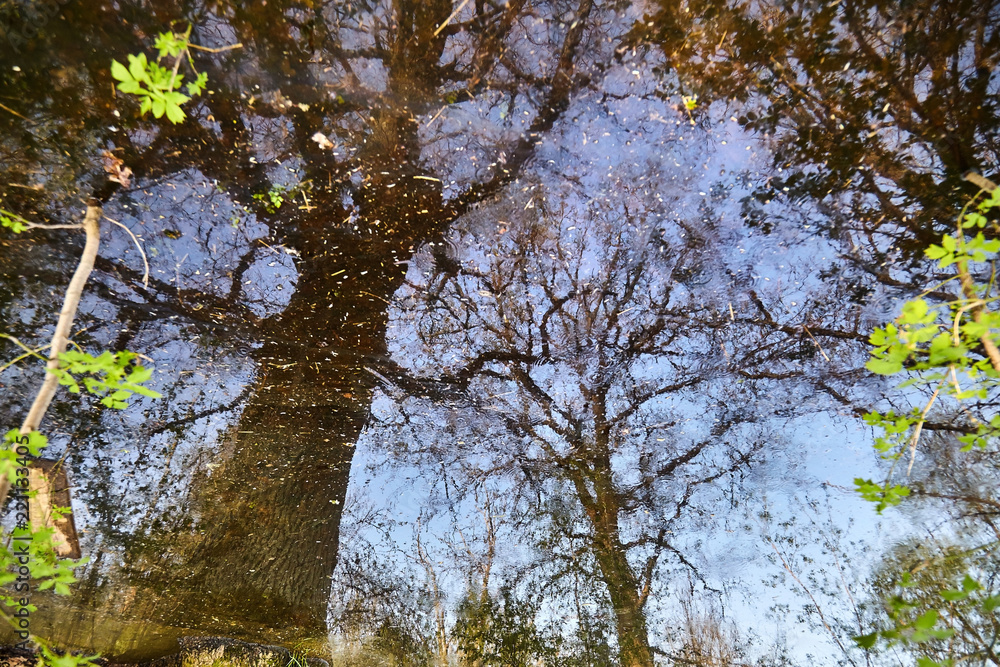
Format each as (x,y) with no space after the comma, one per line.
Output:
(117,172)
(321,139)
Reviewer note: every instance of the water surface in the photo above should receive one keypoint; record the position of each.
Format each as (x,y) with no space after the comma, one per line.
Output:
(533,361)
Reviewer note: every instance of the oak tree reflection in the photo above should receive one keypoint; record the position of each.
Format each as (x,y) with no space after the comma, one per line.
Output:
(590,362)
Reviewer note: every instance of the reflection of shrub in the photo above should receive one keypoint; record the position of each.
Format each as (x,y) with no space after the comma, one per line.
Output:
(273,198)
(501,632)
(279,194)
(391,643)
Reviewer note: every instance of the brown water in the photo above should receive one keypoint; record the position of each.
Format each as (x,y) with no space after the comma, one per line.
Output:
(532,347)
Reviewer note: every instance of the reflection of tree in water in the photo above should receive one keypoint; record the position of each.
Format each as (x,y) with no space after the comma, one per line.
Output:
(598,385)
(255,534)
(612,335)
(954,510)
(874,109)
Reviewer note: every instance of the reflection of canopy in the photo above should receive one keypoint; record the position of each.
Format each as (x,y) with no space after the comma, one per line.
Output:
(554,254)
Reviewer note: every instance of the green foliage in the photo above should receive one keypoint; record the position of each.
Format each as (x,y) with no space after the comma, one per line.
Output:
(278,195)
(275,197)
(934,603)
(943,347)
(883,495)
(940,346)
(13,222)
(115,377)
(54,659)
(111,376)
(30,555)
(156,86)
(47,569)
(10,460)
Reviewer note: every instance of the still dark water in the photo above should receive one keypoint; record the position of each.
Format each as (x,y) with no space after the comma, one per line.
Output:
(532,360)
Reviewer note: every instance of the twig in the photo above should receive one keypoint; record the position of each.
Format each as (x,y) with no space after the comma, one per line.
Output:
(969,289)
(818,346)
(440,111)
(180,57)
(968,286)
(7,108)
(374,295)
(981,181)
(819,610)
(453,15)
(28,352)
(34,225)
(145,262)
(920,425)
(218,50)
(60,338)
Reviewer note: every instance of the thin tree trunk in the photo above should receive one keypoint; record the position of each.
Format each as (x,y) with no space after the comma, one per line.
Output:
(60,338)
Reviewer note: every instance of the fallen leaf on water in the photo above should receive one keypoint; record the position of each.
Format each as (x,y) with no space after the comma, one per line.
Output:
(117,171)
(321,139)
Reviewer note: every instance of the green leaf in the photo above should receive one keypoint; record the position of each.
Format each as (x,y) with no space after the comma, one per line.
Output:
(139,374)
(926,620)
(883,367)
(866,641)
(174,113)
(171,44)
(146,392)
(159,107)
(137,67)
(131,87)
(974,220)
(120,72)
(175,97)
(935,252)
(915,312)
(198,85)
(948,242)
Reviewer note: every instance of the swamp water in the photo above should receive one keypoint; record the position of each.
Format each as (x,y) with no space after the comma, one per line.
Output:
(518,333)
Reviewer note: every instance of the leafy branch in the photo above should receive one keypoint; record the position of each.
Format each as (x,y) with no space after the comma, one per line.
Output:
(945,346)
(157,85)
(942,346)
(112,376)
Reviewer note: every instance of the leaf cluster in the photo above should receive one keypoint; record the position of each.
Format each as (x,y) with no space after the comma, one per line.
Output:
(939,345)
(112,376)
(12,221)
(919,619)
(936,340)
(157,86)
(943,346)
(274,198)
